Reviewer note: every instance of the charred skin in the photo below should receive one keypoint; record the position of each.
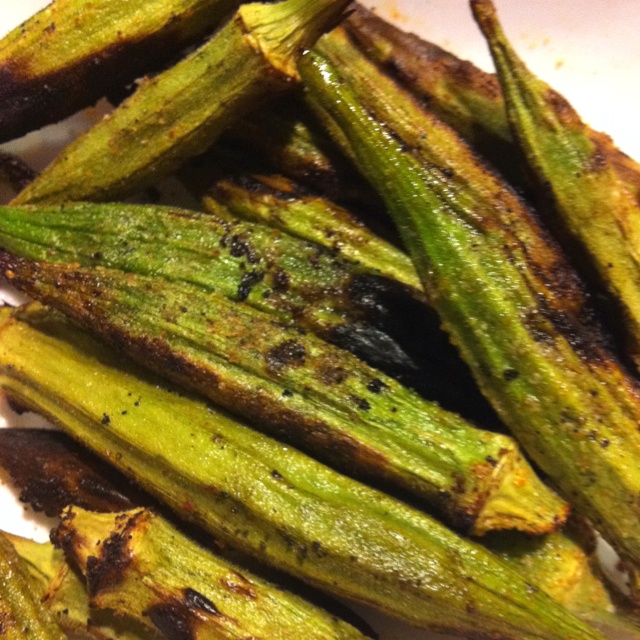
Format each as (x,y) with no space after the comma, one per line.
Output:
(180,112)
(74,52)
(52,473)
(285,138)
(21,615)
(61,591)
(503,290)
(139,566)
(302,389)
(265,498)
(593,205)
(297,282)
(462,95)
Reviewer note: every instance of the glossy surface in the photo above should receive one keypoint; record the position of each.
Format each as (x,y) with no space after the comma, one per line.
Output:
(588,51)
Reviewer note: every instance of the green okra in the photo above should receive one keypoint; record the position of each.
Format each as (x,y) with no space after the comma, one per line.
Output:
(592,203)
(181,111)
(73,52)
(319,397)
(294,281)
(139,566)
(21,616)
(276,202)
(503,290)
(465,97)
(266,498)
(63,595)
(286,139)
(566,567)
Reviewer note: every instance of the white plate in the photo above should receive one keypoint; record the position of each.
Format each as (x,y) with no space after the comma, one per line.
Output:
(589,51)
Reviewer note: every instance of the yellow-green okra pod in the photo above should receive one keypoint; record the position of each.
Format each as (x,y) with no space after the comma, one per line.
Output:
(73,52)
(504,291)
(139,566)
(181,111)
(21,615)
(266,498)
(316,396)
(592,203)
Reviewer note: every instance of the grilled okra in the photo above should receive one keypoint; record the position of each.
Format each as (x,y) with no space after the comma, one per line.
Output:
(181,111)
(73,52)
(21,616)
(63,595)
(265,498)
(503,290)
(139,566)
(300,388)
(592,204)
(295,281)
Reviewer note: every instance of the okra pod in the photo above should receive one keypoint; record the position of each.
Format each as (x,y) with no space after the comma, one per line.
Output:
(73,52)
(64,596)
(592,204)
(277,203)
(286,139)
(139,566)
(503,290)
(52,472)
(21,616)
(265,498)
(316,396)
(181,111)
(464,96)
(295,281)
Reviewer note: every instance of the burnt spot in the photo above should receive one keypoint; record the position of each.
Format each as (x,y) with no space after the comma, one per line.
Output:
(281,280)
(510,375)
(376,386)
(106,420)
(287,394)
(333,375)
(247,282)
(240,247)
(289,353)
(195,600)
(16,171)
(173,620)
(238,584)
(361,403)
(107,570)
(562,109)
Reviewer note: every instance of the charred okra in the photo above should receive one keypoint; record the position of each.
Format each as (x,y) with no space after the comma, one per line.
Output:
(593,205)
(74,52)
(139,566)
(180,112)
(21,615)
(502,288)
(266,498)
(298,387)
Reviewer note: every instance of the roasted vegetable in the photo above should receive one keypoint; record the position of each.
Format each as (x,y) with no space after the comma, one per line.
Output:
(51,473)
(180,112)
(565,566)
(74,52)
(503,290)
(314,395)
(295,281)
(139,566)
(63,595)
(593,204)
(277,202)
(264,497)
(21,616)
